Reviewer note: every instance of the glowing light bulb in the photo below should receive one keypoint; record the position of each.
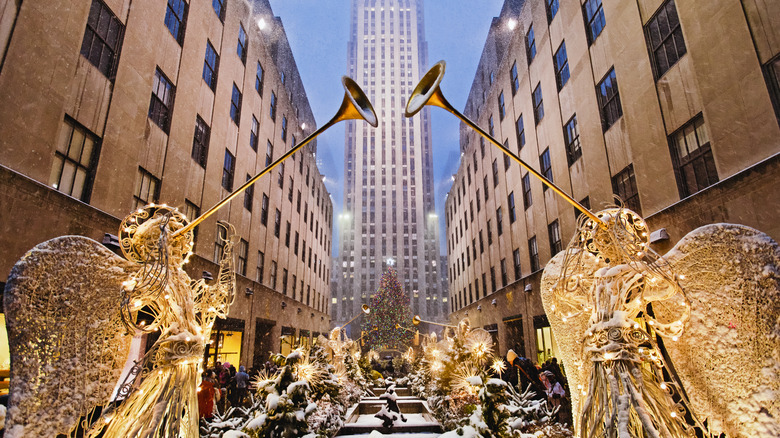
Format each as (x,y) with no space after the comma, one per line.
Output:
(675,338)
(187,339)
(663,386)
(673,414)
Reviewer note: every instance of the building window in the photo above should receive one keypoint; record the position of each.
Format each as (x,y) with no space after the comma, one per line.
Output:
(533,252)
(772,77)
(692,157)
(219,243)
(530,44)
(269,153)
(280,180)
(176,19)
(284,128)
(495,172)
(491,126)
(264,210)
(511,207)
(538,104)
(272,274)
(287,235)
(192,211)
(228,171)
(75,161)
(243,254)
(277,223)
(219,8)
(249,194)
(609,100)
(253,135)
(624,186)
(102,39)
(665,38)
(235,105)
(514,79)
(501,109)
(260,266)
(493,278)
(552,9)
(520,132)
(527,199)
(161,104)
(241,47)
(147,189)
(210,66)
(259,79)
(200,142)
(585,202)
(499,221)
(489,233)
(594,19)
(504,277)
(546,166)
(272,111)
(516,259)
(554,231)
(561,66)
(571,136)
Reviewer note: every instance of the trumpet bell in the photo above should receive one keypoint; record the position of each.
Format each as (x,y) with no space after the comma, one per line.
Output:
(356,104)
(416,320)
(365,309)
(427,91)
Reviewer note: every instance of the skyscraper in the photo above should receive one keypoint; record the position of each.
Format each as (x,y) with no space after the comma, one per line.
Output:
(389,216)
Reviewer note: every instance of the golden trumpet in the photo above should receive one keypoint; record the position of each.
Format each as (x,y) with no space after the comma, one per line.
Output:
(364,308)
(416,321)
(428,92)
(355,106)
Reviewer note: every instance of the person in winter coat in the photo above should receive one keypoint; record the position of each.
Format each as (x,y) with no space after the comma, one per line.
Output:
(553,388)
(206,393)
(242,385)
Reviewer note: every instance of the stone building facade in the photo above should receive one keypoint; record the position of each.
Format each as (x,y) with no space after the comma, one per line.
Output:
(110,105)
(671,105)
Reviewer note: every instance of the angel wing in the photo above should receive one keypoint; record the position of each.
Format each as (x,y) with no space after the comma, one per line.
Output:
(562,304)
(67,341)
(728,356)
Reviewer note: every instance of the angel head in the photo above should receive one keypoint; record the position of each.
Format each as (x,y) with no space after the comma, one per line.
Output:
(140,235)
(620,238)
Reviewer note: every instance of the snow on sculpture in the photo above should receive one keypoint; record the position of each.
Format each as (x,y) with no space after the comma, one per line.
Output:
(647,340)
(72,308)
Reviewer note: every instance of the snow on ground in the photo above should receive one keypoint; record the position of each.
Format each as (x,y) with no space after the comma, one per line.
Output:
(377,434)
(411,419)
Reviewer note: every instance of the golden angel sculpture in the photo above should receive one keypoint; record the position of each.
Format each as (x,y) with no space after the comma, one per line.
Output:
(72,309)
(657,346)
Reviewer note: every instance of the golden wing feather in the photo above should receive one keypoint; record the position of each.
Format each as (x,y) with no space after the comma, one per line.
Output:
(728,356)
(67,341)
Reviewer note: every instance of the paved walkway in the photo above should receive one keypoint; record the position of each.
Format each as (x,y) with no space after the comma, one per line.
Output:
(361,423)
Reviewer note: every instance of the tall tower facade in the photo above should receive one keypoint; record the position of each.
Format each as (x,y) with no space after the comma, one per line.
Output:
(389,216)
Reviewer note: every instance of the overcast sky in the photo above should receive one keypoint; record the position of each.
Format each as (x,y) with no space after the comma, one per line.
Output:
(318,31)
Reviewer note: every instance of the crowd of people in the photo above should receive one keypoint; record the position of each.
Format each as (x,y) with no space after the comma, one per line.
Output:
(546,381)
(222,386)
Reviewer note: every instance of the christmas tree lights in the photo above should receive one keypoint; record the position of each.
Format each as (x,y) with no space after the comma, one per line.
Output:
(389,306)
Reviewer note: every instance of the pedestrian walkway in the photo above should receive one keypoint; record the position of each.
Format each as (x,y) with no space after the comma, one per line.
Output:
(361,422)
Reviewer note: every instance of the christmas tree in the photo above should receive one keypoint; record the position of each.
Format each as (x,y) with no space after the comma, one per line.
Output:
(389,307)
